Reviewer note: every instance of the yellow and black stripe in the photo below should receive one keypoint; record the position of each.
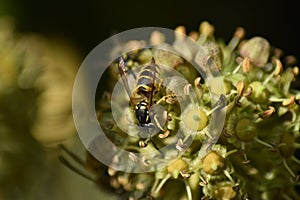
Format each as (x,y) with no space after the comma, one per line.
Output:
(145,80)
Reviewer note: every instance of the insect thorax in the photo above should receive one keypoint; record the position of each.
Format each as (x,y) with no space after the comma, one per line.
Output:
(142,112)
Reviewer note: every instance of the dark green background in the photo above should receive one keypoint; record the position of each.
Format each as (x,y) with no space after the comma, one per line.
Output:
(86,23)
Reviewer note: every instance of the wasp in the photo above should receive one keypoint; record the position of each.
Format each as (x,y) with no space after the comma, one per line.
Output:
(141,99)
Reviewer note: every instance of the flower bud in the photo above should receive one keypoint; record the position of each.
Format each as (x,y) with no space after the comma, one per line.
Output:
(259,94)
(245,129)
(213,163)
(257,49)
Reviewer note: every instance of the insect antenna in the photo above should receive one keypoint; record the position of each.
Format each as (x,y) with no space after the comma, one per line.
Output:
(78,160)
(67,164)
(72,155)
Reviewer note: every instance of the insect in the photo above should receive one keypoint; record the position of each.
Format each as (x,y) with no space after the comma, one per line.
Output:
(141,100)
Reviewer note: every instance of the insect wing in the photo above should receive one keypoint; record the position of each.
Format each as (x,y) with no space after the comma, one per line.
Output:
(153,65)
(122,72)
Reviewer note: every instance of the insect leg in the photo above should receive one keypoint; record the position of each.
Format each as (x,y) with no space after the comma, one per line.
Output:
(144,143)
(155,146)
(168,98)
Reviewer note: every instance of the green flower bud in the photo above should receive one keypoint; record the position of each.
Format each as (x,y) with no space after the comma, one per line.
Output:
(225,192)
(213,163)
(176,166)
(259,94)
(245,129)
(286,148)
(195,119)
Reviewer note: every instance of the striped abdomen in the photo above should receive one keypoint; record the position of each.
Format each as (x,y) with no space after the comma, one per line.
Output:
(145,80)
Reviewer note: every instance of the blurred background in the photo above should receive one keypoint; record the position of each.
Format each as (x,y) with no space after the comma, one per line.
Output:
(42,44)
(87,23)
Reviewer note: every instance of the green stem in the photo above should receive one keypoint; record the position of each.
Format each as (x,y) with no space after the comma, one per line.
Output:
(228,176)
(188,190)
(213,110)
(269,77)
(296,160)
(237,68)
(263,142)
(154,184)
(230,152)
(288,168)
(233,44)
(161,184)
